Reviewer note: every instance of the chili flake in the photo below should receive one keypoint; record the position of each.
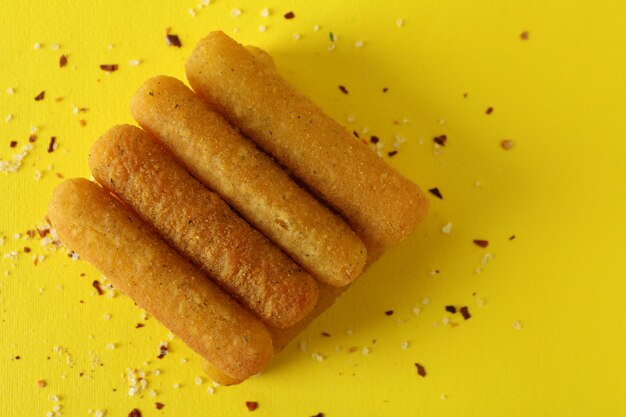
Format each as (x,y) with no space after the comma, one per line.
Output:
(435,191)
(159,405)
(252,405)
(40,96)
(489,110)
(52,144)
(318,415)
(343,89)
(451,309)
(385,89)
(134,413)
(482,243)
(374,139)
(392,153)
(524,35)
(62,61)
(465,312)
(388,312)
(325,334)
(32,138)
(13,143)
(173,40)
(421,371)
(289,15)
(440,140)
(109,67)
(507,144)
(96,285)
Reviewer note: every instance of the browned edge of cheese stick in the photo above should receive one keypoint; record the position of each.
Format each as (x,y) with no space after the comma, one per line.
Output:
(249,180)
(382,206)
(91,222)
(199,224)
(262,56)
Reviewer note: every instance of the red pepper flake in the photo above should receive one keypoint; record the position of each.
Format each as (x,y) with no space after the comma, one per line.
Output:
(252,405)
(109,67)
(40,96)
(51,145)
(451,309)
(489,110)
(343,89)
(96,285)
(30,233)
(139,325)
(18,357)
(134,413)
(159,406)
(512,237)
(440,140)
(43,232)
(388,312)
(13,143)
(163,351)
(465,313)
(62,61)
(392,153)
(26,249)
(385,89)
(325,334)
(318,415)
(173,40)
(435,191)
(421,371)
(507,144)
(352,349)
(524,35)
(374,139)
(32,138)
(481,242)
(289,15)
(465,95)
(82,122)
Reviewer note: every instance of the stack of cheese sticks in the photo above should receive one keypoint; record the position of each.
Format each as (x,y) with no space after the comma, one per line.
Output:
(197,219)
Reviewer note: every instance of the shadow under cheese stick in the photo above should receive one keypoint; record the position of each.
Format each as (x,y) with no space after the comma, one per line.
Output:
(112,238)
(381,205)
(202,227)
(249,180)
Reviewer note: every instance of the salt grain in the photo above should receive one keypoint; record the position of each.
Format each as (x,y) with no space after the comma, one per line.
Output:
(404,345)
(517,325)
(358,44)
(8,118)
(262,28)
(106,316)
(152,393)
(54,46)
(37,46)
(210,390)
(100,413)
(134,62)
(331,47)
(111,346)
(295,36)
(303,346)
(447,228)
(480,302)
(350,118)
(426,301)
(316,28)
(265,12)
(198,380)
(175,386)
(191,12)
(365,351)
(235,12)
(400,23)
(417,311)
(183,360)
(10,91)
(445,321)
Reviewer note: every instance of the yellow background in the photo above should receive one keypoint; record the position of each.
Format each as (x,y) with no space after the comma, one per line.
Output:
(560,96)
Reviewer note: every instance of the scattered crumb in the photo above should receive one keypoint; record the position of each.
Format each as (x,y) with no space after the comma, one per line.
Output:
(295,36)
(404,345)
(262,28)
(400,23)
(421,371)
(358,44)
(134,62)
(507,144)
(447,228)
(40,96)
(365,351)
(235,12)
(265,12)
(426,301)
(210,390)
(517,325)
(198,380)
(417,311)
(524,35)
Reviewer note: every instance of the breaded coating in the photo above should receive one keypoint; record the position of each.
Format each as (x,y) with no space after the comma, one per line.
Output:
(112,238)
(249,180)
(382,206)
(199,224)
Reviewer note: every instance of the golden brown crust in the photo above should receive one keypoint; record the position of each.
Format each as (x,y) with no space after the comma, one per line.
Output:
(202,227)
(382,206)
(113,239)
(249,180)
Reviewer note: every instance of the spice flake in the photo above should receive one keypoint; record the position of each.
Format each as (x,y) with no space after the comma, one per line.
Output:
(421,371)
(62,61)
(440,140)
(159,406)
(173,40)
(40,96)
(289,15)
(109,67)
(343,89)
(134,413)
(465,313)
(252,405)
(481,242)
(435,191)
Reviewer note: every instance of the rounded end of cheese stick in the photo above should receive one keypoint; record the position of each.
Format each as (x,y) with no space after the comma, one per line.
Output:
(112,238)
(218,376)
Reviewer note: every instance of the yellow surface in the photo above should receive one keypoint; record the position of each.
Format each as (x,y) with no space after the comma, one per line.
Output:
(560,96)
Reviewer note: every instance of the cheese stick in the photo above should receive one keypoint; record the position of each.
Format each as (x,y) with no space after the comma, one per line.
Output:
(249,180)
(112,238)
(382,206)
(202,227)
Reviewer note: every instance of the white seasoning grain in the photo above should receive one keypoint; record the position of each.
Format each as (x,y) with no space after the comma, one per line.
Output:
(447,228)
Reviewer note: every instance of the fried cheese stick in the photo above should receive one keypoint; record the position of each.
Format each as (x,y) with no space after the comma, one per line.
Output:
(199,224)
(249,180)
(381,205)
(112,238)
